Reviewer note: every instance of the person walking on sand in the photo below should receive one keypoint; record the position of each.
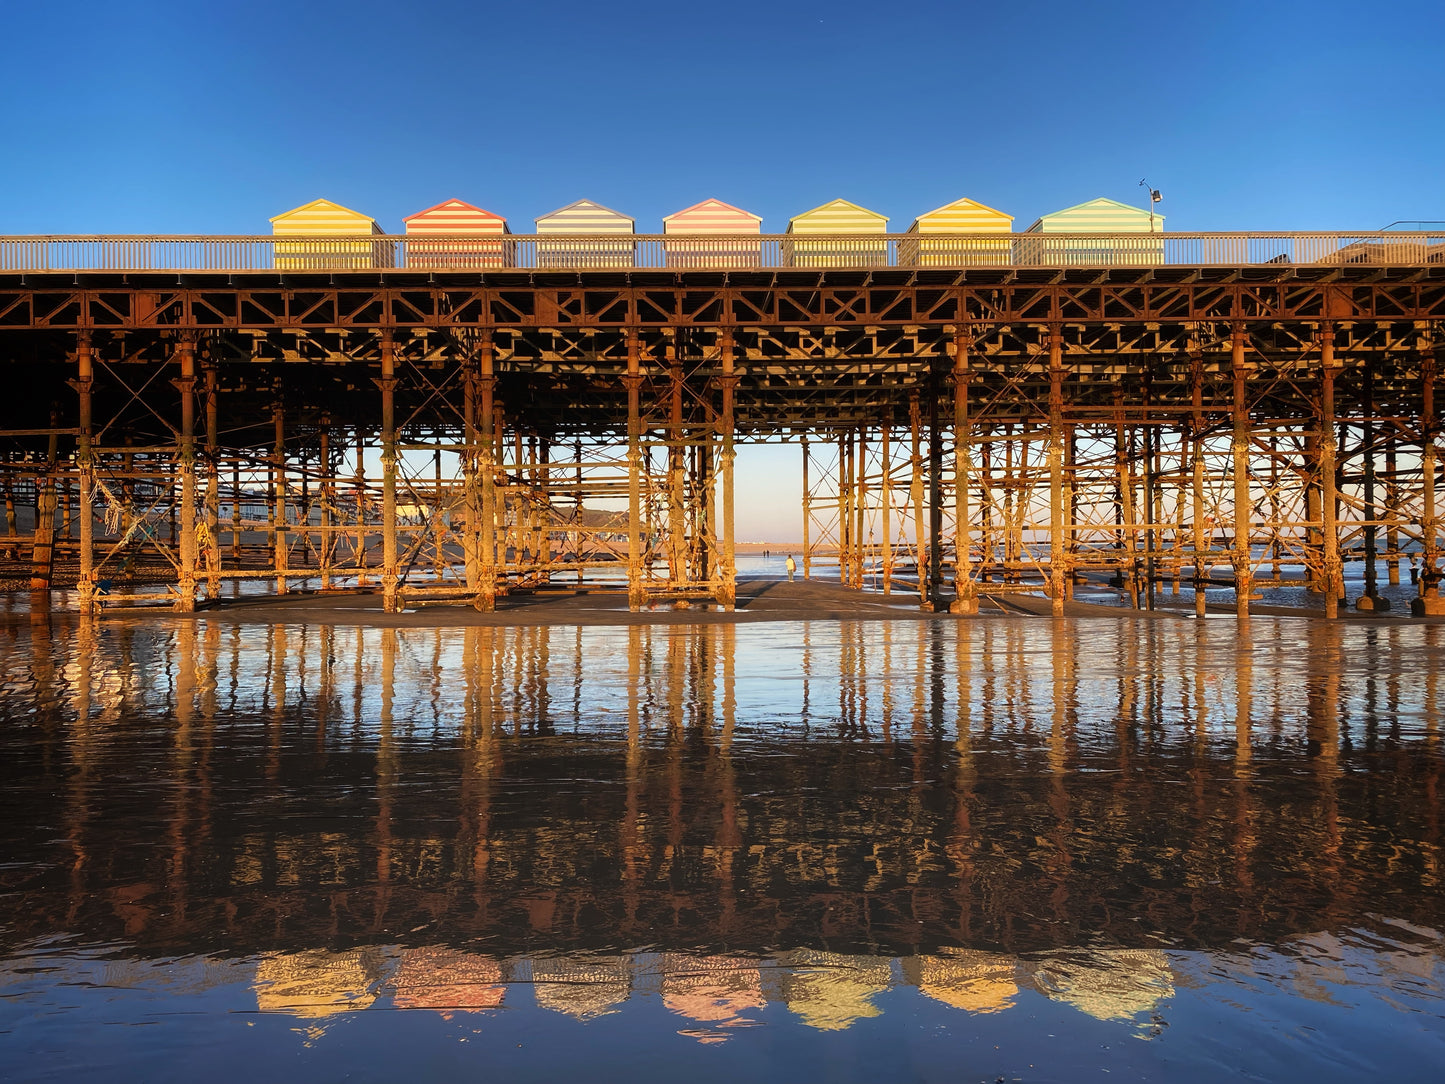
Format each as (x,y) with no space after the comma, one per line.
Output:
(792,566)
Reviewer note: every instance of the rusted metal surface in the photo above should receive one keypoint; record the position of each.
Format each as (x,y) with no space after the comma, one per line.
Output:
(458,438)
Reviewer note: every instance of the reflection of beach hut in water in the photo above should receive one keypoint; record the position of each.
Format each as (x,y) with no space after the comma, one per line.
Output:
(314,983)
(962,216)
(708,236)
(447,980)
(847,236)
(324,236)
(714,991)
(581,986)
(1123,236)
(465,237)
(601,237)
(830,992)
(1108,984)
(978,982)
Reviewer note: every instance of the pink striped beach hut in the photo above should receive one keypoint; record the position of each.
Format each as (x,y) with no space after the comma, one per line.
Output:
(712,234)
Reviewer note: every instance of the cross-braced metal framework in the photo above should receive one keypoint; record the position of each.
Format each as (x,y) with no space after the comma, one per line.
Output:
(968,432)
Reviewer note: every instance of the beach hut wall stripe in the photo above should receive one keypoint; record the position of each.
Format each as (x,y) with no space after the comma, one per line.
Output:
(712,216)
(321,216)
(455,216)
(584,216)
(838,216)
(1098,216)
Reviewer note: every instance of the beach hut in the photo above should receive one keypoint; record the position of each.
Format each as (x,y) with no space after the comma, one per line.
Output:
(712,230)
(598,237)
(987,243)
(327,239)
(456,234)
(846,236)
(1120,236)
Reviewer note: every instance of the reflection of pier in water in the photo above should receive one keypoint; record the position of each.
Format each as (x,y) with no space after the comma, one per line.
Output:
(998,786)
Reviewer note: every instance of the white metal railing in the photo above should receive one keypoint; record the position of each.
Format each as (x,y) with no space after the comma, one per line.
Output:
(613,253)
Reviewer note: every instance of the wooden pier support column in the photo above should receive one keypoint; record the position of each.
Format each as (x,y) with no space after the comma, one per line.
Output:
(636,575)
(885,504)
(186,385)
(1430,601)
(727,572)
(677,563)
(42,551)
(486,599)
(1201,543)
(1370,598)
(391,600)
(1127,542)
(845,506)
(85,470)
(471,482)
(965,588)
(212,498)
(915,493)
(1330,543)
(281,543)
(935,601)
(1243,501)
(1392,514)
(326,550)
(1058,560)
(807,517)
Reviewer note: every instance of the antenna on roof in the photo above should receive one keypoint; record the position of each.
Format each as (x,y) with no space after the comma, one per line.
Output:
(1154,197)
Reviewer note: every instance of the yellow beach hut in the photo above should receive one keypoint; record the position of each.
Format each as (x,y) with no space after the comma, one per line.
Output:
(456,234)
(1099,233)
(327,239)
(840,234)
(987,243)
(710,234)
(598,237)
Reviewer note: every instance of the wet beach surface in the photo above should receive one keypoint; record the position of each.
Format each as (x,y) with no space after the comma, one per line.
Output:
(303,848)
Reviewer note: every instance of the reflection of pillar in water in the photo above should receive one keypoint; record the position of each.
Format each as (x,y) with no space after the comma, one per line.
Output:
(446,980)
(829,991)
(714,991)
(581,986)
(631,830)
(1107,984)
(976,982)
(1323,734)
(385,774)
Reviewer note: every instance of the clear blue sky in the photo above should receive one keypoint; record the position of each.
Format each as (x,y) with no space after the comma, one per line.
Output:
(209,117)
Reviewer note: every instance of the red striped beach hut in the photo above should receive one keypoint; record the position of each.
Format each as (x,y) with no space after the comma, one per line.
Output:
(711,234)
(457,234)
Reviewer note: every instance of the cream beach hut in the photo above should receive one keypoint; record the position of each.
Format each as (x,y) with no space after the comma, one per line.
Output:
(326,238)
(1118,236)
(846,236)
(934,238)
(598,237)
(456,234)
(711,234)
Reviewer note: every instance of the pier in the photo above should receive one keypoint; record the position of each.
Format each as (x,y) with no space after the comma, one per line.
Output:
(999,415)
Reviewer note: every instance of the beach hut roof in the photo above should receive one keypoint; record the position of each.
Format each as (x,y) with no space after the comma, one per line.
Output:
(715,205)
(1101,204)
(456,206)
(583,205)
(322,207)
(838,205)
(960,205)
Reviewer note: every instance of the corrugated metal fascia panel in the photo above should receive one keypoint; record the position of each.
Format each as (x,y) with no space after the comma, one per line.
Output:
(838,216)
(323,216)
(712,216)
(584,216)
(963,216)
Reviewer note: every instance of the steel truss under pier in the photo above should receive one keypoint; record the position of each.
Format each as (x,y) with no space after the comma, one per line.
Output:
(458,436)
